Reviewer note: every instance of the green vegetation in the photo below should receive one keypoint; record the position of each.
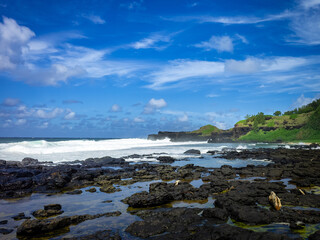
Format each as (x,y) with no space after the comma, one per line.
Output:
(301,124)
(207,130)
(280,134)
(277,113)
(305,109)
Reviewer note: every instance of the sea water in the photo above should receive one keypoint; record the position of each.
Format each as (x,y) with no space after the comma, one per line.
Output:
(61,150)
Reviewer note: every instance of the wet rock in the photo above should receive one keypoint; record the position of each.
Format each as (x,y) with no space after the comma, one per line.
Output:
(2,162)
(5,231)
(107,201)
(166,159)
(315,236)
(212,152)
(3,222)
(145,199)
(99,162)
(108,189)
(29,161)
(193,151)
(20,216)
(53,207)
(91,190)
(217,213)
(37,227)
(46,213)
(75,192)
(100,235)
(297,225)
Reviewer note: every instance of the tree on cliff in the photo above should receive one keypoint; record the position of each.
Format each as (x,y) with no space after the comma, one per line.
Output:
(277,113)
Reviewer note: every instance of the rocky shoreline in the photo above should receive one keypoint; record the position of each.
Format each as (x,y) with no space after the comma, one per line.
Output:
(240,197)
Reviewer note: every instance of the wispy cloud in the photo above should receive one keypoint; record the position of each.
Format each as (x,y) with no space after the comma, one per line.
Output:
(156,41)
(221,44)
(94,19)
(270,70)
(184,69)
(232,20)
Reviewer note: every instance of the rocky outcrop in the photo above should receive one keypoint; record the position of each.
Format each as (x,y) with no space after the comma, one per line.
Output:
(38,227)
(178,136)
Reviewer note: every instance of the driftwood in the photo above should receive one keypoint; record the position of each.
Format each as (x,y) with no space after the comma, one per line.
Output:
(275,201)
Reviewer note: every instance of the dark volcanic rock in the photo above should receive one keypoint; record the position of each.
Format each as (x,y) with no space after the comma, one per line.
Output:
(315,236)
(100,235)
(53,207)
(187,223)
(166,159)
(20,216)
(29,161)
(193,151)
(74,192)
(99,162)
(46,213)
(3,222)
(5,231)
(37,227)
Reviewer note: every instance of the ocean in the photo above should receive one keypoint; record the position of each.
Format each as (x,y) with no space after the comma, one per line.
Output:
(59,150)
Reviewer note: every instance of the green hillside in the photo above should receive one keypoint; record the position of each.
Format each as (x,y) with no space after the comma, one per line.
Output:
(299,125)
(207,130)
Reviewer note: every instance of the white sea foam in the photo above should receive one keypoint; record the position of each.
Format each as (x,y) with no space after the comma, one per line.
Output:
(70,150)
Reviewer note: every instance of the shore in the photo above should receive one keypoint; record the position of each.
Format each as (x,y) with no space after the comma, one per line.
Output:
(110,198)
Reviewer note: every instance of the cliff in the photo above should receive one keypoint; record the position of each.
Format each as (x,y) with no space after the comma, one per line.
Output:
(302,124)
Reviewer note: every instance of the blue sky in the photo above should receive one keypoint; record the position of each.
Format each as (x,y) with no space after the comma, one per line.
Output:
(130,68)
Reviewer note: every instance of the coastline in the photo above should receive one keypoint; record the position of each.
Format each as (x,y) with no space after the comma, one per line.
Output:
(226,195)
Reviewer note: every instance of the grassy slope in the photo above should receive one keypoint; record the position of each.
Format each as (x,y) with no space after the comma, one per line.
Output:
(304,134)
(280,121)
(207,130)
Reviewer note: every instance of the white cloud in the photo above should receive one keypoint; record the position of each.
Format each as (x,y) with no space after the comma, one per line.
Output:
(242,38)
(95,19)
(40,113)
(115,108)
(184,69)
(181,73)
(11,102)
(248,65)
(20,122)
(252,65)
(221,44)
(306,27)
(155,41)
(138,120)
(13,40)
(70,115)
(20,56)
(183,118)
(233,20)
(309,3)
(301,101)
(153,105)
